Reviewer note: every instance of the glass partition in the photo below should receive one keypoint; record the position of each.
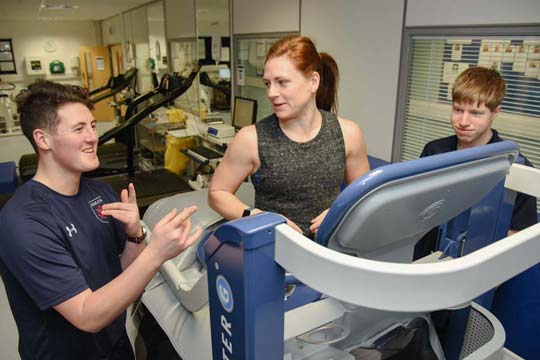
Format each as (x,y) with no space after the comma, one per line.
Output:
(136,46)
(250,52)
(157,46)
(213,52)
(183,54)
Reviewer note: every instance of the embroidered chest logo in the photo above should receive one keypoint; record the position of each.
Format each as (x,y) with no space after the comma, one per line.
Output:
(71,230)
(96,205)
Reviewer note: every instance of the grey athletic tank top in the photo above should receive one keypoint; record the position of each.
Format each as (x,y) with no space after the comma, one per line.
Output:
(299,180)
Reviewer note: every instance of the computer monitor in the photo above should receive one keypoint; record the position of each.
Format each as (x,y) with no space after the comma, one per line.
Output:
(244,112)
(225,74)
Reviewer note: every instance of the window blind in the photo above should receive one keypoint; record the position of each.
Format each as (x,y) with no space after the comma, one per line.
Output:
(435,62)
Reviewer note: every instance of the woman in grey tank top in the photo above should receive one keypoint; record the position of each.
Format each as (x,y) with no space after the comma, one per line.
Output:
(299,156)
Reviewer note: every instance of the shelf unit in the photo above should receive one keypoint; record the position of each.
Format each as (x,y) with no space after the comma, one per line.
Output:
(152,142)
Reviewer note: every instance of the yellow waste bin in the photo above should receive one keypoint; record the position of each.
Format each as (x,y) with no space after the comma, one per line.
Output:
(175,161)
(176,116)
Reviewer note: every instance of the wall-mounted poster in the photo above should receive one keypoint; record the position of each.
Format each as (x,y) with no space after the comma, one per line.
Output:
(457,50)
(531,68)
(533,49)
(491,53)
(451,70)
(100,63)
(7,58)
(508,54)
(520,58)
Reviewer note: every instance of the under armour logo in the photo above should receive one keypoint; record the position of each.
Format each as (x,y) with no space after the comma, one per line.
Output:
(72,230)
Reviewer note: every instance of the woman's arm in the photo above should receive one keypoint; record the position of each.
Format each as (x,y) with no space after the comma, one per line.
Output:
(240,160)
(356,161)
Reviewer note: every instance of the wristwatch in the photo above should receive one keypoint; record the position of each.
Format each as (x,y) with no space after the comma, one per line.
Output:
(138,239)
(247,212)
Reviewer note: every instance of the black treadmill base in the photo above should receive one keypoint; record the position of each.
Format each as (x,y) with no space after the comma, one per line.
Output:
(112,160)
(150,186)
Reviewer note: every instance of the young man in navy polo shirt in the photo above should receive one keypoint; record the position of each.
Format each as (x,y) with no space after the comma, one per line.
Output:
(476,101)
(73,256)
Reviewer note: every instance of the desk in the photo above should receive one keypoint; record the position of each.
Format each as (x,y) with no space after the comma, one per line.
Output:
(223,142)
(194,127)
(182,133)
(201,168)
(218,115)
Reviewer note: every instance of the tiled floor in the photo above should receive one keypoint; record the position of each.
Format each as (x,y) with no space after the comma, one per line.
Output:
(8,330)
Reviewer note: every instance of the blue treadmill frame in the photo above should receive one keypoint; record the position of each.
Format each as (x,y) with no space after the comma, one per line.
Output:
(247,304)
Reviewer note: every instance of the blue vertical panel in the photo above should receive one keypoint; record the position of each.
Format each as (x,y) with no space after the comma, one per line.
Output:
(517,306)
(490,220)
(480,226)
(246,290)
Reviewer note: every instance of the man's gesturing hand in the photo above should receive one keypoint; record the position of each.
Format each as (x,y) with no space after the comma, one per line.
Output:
(126,211)
(171,235)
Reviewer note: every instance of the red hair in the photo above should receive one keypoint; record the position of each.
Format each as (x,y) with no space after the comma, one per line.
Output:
(303,54)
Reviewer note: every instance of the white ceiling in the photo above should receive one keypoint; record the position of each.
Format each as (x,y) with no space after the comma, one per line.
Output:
(87,9)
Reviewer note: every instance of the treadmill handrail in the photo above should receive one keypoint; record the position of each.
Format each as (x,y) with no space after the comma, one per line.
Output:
(136,118)
(407,287)
(127,79)
(132,106)
(205,80)
(98,89)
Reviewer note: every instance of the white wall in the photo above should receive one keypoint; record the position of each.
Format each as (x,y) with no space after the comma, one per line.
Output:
(156,34)
(30,37)
(365,39)
(214,18)
(136,25)
(250,17)
(136,33)
(476,12)
(112,30)
(180,19)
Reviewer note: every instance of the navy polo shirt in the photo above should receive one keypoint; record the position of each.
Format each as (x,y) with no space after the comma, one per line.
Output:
(53,247)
